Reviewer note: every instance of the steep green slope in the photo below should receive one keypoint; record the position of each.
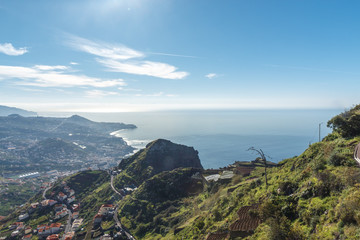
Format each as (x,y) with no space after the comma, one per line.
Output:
(313,196)
(148,210)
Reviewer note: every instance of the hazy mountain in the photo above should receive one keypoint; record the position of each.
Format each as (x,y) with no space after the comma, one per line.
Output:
(5,111)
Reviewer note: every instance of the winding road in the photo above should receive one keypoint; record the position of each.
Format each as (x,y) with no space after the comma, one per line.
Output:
(44,193)
(116,218)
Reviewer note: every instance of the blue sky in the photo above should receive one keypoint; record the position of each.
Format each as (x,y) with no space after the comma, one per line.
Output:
(143,55)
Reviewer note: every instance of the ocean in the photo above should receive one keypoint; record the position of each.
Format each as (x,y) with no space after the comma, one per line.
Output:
(223,137)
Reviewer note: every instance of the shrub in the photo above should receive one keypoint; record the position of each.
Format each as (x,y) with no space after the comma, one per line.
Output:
(347,123)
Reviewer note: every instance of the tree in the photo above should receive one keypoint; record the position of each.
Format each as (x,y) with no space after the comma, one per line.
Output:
(262,158)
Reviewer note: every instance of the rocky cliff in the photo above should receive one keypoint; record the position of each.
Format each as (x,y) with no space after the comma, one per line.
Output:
(158,156)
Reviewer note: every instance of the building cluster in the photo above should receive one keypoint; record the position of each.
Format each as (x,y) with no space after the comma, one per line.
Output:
(106,211)
(62,204)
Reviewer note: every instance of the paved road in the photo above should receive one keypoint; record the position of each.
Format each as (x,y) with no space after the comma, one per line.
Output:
(112,186)
(68,224)
(44,193)
(116,218)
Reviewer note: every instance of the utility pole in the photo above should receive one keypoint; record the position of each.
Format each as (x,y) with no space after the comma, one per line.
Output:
(320,131)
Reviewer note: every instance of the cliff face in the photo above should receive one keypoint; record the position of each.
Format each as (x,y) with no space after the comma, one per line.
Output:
(158,156)
(164,155)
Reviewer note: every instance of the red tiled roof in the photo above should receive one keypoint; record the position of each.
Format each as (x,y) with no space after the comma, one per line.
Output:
(107,205)
(54,225)
(53,237)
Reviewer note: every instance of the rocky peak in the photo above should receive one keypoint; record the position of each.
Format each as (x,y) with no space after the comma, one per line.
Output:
(158,156)
(164,155)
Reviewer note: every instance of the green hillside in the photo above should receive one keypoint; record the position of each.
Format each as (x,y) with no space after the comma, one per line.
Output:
(313,196)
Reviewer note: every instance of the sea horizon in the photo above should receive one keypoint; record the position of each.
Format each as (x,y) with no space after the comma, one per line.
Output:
(223,137)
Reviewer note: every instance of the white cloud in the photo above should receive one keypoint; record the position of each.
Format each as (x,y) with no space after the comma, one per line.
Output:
(155,69)
(211,75)
(74,63)
(100,93)
(49,68)
(41,77)
(119,58)
(158,94)
(8,49)
(118,52)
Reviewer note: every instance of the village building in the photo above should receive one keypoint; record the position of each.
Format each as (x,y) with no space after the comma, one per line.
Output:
(76,224)
(71,199)
(55,227)
(15,233)
(48,202)
(28,230)
(75,207)
(27,237)
(16,225)
(69,235)
(62,196)
(61,214)
(53,237)
(41,227)
(59,207)
(23,216)
(106,209)
(71,193)
(75,215)
(106,237)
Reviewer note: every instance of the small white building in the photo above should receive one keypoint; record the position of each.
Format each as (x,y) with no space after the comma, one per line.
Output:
(23,216)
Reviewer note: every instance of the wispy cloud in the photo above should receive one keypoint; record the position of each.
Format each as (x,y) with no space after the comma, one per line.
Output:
(158,94)
(211,75)
(48,77)
(101,49)
(172,55)
(155,69)
(74,63)
(100,93)
(49,68)
(9,49)
(119,58)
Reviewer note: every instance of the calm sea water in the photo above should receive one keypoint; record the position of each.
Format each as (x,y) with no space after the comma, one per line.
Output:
(222,137)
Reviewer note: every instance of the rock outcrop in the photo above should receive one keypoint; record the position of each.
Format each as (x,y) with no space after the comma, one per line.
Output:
(158,156)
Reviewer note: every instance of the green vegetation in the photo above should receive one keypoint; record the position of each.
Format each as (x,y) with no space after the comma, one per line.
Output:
(13,195)
(313,196)
(347,123)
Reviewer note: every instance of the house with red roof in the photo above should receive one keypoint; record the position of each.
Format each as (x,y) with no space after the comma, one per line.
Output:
(106,209)
(61,214)
(53,237)
(71,199)
(55,227)
(62,196)
(27,237)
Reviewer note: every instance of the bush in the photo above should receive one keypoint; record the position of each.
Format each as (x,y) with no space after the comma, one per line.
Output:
(336,159)
(347,123)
